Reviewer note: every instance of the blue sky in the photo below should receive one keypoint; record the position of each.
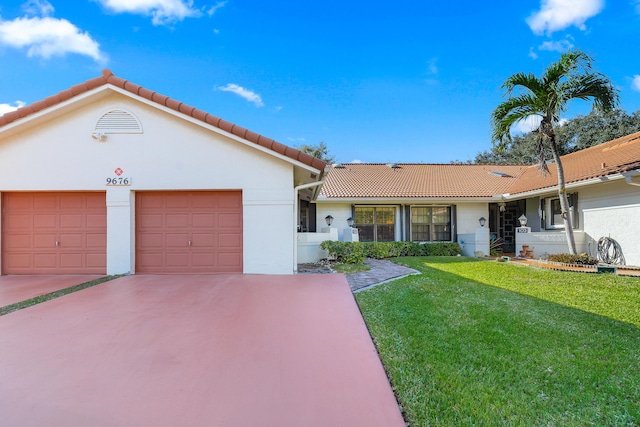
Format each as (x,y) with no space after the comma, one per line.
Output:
(407,81)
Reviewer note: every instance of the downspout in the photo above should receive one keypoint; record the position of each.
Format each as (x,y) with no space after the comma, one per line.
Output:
(295,215)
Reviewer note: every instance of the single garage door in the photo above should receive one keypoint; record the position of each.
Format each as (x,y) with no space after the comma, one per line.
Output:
(189,232)
(54,233)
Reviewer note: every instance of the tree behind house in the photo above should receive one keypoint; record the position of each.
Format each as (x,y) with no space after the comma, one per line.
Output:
(574,134)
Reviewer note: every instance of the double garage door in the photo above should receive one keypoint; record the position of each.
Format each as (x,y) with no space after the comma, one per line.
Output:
(176,232)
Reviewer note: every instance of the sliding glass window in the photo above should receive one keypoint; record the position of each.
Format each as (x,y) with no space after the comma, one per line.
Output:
(431,223)
(375,223)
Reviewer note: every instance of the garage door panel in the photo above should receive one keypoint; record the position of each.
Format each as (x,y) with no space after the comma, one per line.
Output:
(72,202)
(204,240)
(177,259)
(42,241)
(34,222)
(74,241)
(17,241)
(150,241)
(228,220)
(95,240)
(153,260)
(44,201)
(15,222)
(229,261)
(230,241)
(188,216)
(229,200)
(177,200)
(18,260)
(151,221)
(45,260)
(205,220)
(71,221)
(72,260)
(176,220)
(41,222)
(204,259)
(95,261)
(177,240)
(95,220)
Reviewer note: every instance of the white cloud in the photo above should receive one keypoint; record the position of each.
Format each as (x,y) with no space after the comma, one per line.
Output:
(527,125)
(557,15)
(296,139)
(432,66)
(355,161)
(38,8)
(637,6)
(635,83)
(247,94)
(215,7)
(163,12)
(532,53)
(7,108)
(558,46)
(46,37)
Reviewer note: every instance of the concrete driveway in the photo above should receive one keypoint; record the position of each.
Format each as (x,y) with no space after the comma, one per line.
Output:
(226,350)
(14,289)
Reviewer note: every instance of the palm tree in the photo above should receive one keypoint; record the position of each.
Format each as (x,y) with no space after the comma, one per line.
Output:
(547,98)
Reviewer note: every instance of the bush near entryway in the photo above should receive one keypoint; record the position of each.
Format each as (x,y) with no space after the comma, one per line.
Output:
(356,252)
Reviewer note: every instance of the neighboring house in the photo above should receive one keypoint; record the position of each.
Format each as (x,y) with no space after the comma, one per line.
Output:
(444,202)
(110,177)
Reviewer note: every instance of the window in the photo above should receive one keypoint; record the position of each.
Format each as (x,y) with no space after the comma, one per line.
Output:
(552,213)
(430,223)
(375,223)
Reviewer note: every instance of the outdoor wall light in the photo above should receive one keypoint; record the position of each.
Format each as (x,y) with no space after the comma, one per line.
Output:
(350,221)
(482,221)
(523,220)
(329,220)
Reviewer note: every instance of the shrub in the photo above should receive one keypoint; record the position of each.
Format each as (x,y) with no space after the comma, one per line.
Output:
(355,252)
(573,259)
(346,252)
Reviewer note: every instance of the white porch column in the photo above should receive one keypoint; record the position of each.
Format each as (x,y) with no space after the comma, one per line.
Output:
(120,230)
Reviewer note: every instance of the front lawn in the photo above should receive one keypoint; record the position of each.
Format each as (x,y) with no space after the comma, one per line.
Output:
(481,343)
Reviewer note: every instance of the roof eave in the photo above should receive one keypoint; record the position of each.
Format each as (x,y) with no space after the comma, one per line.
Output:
(569,186)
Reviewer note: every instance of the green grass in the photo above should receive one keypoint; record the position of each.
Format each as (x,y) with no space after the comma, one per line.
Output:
(51,295)
(481,343)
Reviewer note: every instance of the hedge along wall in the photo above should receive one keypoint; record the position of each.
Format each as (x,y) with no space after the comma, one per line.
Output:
(356,252)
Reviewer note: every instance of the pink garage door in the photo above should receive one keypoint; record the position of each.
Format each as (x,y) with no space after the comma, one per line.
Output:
(54,233)
(189,232)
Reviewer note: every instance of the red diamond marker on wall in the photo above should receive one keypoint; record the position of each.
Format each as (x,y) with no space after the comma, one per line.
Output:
(119,171)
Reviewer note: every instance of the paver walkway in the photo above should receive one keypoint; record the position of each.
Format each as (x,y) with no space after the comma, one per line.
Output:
(381,271)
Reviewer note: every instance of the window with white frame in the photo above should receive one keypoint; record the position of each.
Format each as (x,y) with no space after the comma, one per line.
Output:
(430,223)
(375,223)
(552,212)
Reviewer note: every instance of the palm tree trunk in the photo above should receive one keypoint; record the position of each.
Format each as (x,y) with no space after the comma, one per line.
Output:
(564,201)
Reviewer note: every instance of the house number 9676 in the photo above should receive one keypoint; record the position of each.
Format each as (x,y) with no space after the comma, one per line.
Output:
(119,181)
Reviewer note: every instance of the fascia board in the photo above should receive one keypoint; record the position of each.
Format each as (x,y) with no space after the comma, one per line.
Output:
(570,186)
(403,200)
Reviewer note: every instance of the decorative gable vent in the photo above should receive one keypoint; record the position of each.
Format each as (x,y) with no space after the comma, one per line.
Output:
(118,121)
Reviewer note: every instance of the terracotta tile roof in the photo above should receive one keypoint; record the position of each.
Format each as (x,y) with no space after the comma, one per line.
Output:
(362,180)
(108,77)
(613,157)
